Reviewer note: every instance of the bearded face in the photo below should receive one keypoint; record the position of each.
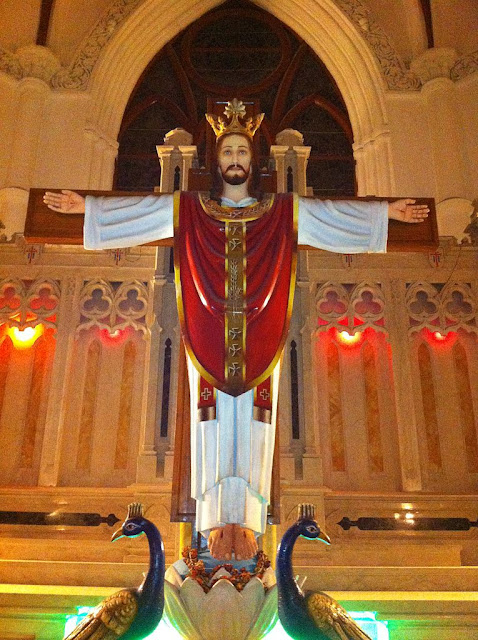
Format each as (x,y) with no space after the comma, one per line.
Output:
(234,159)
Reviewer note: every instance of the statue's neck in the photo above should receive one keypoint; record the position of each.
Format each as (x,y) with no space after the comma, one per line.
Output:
(235,192)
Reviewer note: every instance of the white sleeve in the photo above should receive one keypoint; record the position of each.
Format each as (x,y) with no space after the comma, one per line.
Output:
(116,222)
(344,226)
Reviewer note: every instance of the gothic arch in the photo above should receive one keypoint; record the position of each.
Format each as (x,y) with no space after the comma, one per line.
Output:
(325,28)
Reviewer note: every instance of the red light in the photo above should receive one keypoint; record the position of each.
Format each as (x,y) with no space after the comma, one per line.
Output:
(114,336)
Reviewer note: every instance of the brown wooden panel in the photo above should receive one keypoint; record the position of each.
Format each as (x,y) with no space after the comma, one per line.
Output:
(183,507)
(46,226)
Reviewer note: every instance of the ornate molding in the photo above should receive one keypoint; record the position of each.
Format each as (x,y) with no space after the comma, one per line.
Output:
(394,70)
(40,62)
(465,66)
(79,72)
(10,64)
(434,63)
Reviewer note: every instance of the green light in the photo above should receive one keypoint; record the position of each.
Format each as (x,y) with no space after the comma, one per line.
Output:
(367,620)
(376,629)
(163,631)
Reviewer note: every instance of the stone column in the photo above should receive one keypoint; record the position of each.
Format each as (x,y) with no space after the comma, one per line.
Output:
(278,153)
(189,153)
(164,153)
(302,154)
(147,461)
(68,315)
(448,148)
(32,95)
(397,325)
(312,459)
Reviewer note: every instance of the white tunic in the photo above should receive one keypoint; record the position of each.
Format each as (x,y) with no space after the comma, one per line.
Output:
(231,456)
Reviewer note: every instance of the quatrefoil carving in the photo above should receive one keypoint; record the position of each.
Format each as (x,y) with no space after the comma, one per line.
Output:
(452,307)
(26,302)
(112,306)
(339,305)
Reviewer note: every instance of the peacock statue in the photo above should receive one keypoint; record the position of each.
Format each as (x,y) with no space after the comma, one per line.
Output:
(310,615)
(130,614)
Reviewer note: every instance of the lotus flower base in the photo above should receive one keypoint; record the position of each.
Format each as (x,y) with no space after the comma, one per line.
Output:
(204,601)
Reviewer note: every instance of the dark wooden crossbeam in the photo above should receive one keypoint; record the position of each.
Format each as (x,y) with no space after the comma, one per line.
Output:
(46,226)
(427,14)
(46,11)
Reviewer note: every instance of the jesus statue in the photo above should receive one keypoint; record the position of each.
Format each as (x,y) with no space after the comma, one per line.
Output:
(235,257)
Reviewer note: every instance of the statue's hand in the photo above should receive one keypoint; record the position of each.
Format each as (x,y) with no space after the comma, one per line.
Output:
(406,210)
(64,202)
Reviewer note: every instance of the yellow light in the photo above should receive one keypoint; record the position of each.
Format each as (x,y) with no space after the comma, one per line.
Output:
(348,338)
(439,336)
(25,338)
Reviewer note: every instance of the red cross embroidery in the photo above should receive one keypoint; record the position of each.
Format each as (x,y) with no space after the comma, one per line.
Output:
(265,395)
(205,394)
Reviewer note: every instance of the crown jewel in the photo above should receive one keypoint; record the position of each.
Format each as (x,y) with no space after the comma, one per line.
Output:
(235,110)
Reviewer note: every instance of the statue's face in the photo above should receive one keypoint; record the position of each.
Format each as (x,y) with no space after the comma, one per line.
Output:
(234,159)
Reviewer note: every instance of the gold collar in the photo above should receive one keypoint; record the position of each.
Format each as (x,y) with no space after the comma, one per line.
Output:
(236,214)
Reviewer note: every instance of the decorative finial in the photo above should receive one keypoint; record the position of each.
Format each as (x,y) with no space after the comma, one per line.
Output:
(135,510)
(234,110)
(306,511)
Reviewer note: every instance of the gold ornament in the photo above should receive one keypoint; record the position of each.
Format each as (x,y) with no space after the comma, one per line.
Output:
(235,110)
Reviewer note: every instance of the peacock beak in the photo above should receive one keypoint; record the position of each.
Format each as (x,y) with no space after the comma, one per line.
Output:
(324,537)
(117,535)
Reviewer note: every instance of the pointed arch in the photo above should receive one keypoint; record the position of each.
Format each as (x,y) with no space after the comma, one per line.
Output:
(324,27)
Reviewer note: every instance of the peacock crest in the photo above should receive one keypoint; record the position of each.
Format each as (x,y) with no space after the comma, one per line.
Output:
(306,511)
(135,510)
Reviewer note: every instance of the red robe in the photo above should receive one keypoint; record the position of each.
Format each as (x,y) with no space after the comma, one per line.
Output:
(235,278)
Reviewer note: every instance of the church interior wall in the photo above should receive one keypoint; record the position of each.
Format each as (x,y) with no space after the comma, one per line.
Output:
(20,23)
(71,23)
(62,433)
(455,24)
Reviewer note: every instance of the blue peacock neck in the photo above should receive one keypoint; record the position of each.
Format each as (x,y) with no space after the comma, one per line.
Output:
(151,591)
(291,597)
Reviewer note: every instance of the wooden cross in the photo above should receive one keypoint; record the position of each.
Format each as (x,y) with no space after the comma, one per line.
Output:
(46,226)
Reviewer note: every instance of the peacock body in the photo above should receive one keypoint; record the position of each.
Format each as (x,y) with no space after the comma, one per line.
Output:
(309,615)
(130,614)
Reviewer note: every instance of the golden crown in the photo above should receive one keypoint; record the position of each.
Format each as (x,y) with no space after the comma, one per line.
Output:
(235,110)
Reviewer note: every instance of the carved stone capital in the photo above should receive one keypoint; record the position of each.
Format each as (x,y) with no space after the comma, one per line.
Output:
(434,63)
(465,66)
(38,62)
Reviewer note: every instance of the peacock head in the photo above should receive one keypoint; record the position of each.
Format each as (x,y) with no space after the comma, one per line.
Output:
(134,523)
(308,527)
